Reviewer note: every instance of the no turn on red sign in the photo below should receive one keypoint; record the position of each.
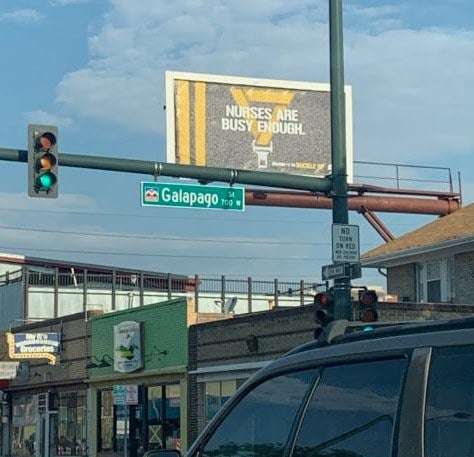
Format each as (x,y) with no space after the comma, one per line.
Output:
(345,243)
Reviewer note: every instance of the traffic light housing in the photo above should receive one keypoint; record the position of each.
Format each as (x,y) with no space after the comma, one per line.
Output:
(368,300)
(42,161)
(324,302)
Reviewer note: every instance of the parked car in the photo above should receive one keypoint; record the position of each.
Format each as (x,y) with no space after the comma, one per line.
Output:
(395,391)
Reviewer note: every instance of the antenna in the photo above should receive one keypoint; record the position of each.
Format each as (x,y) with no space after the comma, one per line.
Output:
(230,304)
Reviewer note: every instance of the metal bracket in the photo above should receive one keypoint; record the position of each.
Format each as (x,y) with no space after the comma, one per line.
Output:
(233,177)
(158,171)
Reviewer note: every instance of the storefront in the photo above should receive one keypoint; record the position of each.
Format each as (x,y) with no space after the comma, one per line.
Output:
(138,379)
(45,407)
(55,429)
(224,354)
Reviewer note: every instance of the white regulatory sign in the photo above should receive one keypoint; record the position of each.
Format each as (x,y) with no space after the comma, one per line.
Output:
(345,243)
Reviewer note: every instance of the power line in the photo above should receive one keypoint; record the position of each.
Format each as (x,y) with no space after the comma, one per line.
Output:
(151,237)
(160,216)
(181,256)
(165,238)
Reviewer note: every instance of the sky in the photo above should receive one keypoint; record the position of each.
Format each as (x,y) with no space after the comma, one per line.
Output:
(96,69)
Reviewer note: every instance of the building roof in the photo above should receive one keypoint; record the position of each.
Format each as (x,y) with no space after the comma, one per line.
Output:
(452,230)
(18,259)
(68,266)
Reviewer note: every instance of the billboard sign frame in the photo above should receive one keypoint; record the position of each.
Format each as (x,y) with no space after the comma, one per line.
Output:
(252,124)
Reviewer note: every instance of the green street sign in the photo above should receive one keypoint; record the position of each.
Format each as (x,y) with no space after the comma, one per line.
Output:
(192,196)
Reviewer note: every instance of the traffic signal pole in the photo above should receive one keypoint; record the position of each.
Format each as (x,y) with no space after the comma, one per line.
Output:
(204,175)
(340,212)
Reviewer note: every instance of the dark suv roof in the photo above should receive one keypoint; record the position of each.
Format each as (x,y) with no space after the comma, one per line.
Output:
(343,331)
(349,340)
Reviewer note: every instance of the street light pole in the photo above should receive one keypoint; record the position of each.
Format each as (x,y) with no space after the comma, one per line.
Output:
(340,213)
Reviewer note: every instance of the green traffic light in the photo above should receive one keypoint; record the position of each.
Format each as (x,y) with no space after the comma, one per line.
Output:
(43,161)
(46,180)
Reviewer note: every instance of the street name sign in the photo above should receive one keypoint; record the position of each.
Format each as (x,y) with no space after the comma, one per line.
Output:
(192,196)
(345,243)
(341,270)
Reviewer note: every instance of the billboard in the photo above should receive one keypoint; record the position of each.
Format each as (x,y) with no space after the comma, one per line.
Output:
(252,124)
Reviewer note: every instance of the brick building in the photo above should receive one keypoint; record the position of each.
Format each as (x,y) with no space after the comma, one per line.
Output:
(432,264)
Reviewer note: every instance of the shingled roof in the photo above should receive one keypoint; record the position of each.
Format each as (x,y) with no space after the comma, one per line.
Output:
(454,229)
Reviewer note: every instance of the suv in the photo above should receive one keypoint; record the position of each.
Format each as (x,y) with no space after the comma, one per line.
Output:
(400,391)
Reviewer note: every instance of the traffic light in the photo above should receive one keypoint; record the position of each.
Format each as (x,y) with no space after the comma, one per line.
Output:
(42,161)
(324,302)
(368,300)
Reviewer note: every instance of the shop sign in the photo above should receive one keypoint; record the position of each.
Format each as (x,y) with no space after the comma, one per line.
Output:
(9,370)
(128,347)
(34,346)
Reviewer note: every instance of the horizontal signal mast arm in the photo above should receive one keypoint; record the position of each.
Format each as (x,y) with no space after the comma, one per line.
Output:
(203,174)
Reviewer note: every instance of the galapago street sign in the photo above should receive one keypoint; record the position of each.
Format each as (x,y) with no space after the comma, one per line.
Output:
(193,196)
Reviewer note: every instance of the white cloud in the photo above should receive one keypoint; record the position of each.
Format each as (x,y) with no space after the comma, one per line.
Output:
(112,97)
(69,202)
(124,81)
(23,16)
(47,118)
(412,102)
(410,86)
(68,2)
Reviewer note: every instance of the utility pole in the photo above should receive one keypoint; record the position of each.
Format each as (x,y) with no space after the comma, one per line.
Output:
(340,212)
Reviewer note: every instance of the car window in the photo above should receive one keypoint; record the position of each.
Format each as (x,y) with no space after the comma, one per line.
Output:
(259,425)
(353,411)
(449,415)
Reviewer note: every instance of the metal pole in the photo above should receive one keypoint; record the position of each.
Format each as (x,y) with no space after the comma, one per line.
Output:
(340,213)
(205,175)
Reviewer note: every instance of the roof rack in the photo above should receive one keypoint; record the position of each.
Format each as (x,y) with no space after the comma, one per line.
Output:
(343,330)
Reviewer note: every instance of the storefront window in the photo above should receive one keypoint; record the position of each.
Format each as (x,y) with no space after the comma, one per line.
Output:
(72,423)
(24,426)
(106,420)
(217,393)
(164,411)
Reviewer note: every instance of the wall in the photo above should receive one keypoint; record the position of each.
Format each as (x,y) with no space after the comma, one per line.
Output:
(401,281)
(464,274)
(11,299)
(70,368)
(164,329)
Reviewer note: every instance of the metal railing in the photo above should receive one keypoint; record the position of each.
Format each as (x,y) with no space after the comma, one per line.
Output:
(399,176)
(54,293)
